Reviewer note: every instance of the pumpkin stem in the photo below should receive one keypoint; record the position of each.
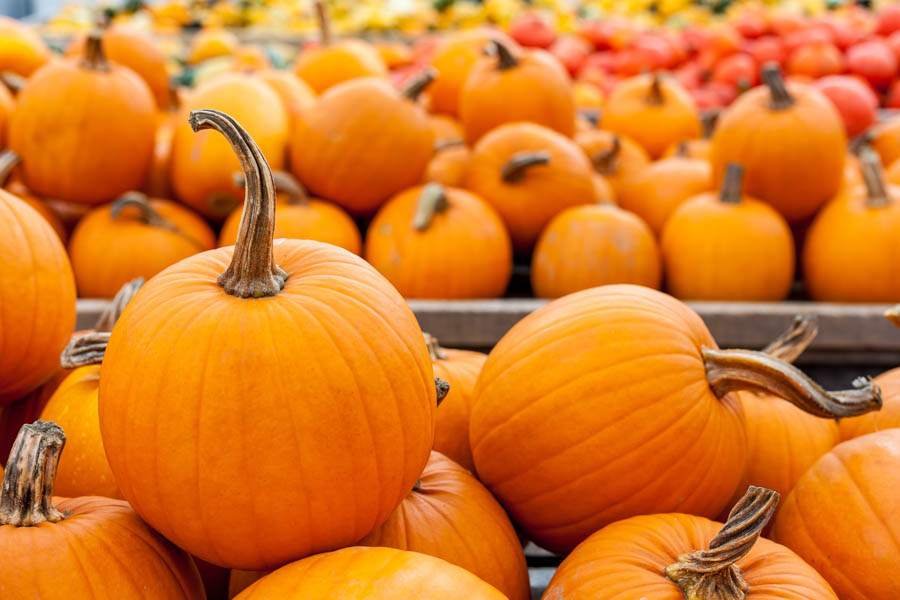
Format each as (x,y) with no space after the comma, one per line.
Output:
(708,120)
(415,86)
(873,176)
(792,343)
(735,370)
(605,162)
(517,166)
(252,272)
(442,388)
(13,81)
(324,22)
(732,184)
(655,96)
(8,161)
(94,58)
(115,309)
(147,214)
(893,315)
(432,200)
(27,491)
(434,348)
(781,98)
(713,574)
(682,150)
(448,143)
(505,58)
(285,183)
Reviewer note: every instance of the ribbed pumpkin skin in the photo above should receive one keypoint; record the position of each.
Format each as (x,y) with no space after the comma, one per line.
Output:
(886,418)
(203,163)
(592,245)
(631,160)
(626,560)
(45,211)
(843,517)
(663,186)
(107,253)
(221,373)
(430,263)
(460,368)
(37,299)
(101,550)
(596,408)
(360,143)
(360,573)
(22,51)
(26,410)
(66,109)
(325,67)
(793,158)
(448,166)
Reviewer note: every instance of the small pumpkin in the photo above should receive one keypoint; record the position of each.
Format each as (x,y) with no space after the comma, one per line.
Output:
(529,174)
(415,241)
(79,548)
(617,158)
(212,43)
(593,245)
(653,110)
(103,120)
(22,50)
(8,161)
(682,556)
(885,139)
(728,246)
(696,147)
(447,130)
(448,166)
(296,94)
(511,86)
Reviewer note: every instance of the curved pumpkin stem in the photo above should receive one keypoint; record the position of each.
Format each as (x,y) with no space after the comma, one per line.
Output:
(27,491)
(324,22)
(434,348)
(713,574)
(252,272)
(432,200)
(655,96)
(606,162)
(147,214)
(873,176)
(505,58)
(792,343)
(285,183)
(732,184)
(442,388)
(13,81)
(517,166)
(9,159)
(94,58)
(736,370)
(415,86)
(781,97)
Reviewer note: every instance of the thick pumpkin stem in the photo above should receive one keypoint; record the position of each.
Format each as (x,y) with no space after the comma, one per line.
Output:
(27,491)
(781,98)
(415,86)
(434,348)
(324,22)
(115,309)
(13,81)
(873,176)
(713,574)
(606,162)
(285,183)
(94,58)
(505,58)
(655,96)
(736,370)
(517,166)
(794,342)
(84,350)
(8,161)
(442,388)
(732,184)
(432,200)
(252,272)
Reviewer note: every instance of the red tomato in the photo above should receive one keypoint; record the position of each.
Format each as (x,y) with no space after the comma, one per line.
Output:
(706,99)
(751,24)
(842,31)
(737,70)
(874,61)
(530,29)
(807,36)
(689,75)
(657,47)
(815,60)
(766,49)
(889,19)
(893,41)
(892,100)
(572,51)
(604,61)
(854,100)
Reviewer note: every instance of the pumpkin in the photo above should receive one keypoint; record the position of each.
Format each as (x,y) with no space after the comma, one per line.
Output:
(447,131)
(676,556)
(698,149)
(362,142)
(331,63)
(653,110)
(79,548)
(202,165)
(250,58)
(728,246)
(655,192)
(394,54)
(70,106)
(415,238)
(22,50)
(790,141)
(885,139)
(617,158)
(37,293)
(358,573)
(529,174)
(614,402)
(506,87)
(7,105)
(843,517)
(836,267)
(886,418)
(891,174)
(157,184)
(184,346)
(448,166)
(8,161)
(592,245)
(296,94)
(302,218)
(135,236)
(211,43)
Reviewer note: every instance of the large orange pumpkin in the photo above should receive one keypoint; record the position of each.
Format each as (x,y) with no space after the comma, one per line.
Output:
(84,128)
(653,110)
(80,548)
(241,352)
(416,241)
(22,50)
(614,402)
(37,293)
(843,517)
(361,142)
(728,246)
(677,556)
(789,139)
(529,174)
(448,166)
(617,158)
(522,86)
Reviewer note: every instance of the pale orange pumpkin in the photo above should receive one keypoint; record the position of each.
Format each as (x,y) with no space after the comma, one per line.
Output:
(22,51)
(617,158)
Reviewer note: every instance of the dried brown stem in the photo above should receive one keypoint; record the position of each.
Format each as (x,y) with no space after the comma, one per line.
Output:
(708,120)
(13,81)
(655,96)
(505,58)
(27,491)
(781,98)
(148,215)
(415,86)
(795,340)
(94,58)
(732,184)
(606,162)
(442,388)
(324,22)
(115,309)
(84,350)
(432,200)
(873,176)
(285,183)
(515,169)
(434,348)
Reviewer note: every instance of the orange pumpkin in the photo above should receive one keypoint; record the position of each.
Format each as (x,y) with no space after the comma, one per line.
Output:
(836,266)
(7,105)
(588,96)
(212,43)
(37,293)
(529,174)
(157,184)
(789,139)
(394,54)
(593,245)
(300,217)
(666,557)
(618,159)
(885,139)
(698,148)
(249,58)
(296,94)
(135,236)
(728,246)
(614,402)
(843,517)
(202,165)
(103,120)
(362,142)
(8,161)
(653,110)
(853,172)
(22,51)
(448,166)
(447,131)
(886,418)
(525,86)
(415,238)
(190,342)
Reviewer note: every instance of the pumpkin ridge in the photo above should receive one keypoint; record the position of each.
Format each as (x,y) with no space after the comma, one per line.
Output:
(866,500)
